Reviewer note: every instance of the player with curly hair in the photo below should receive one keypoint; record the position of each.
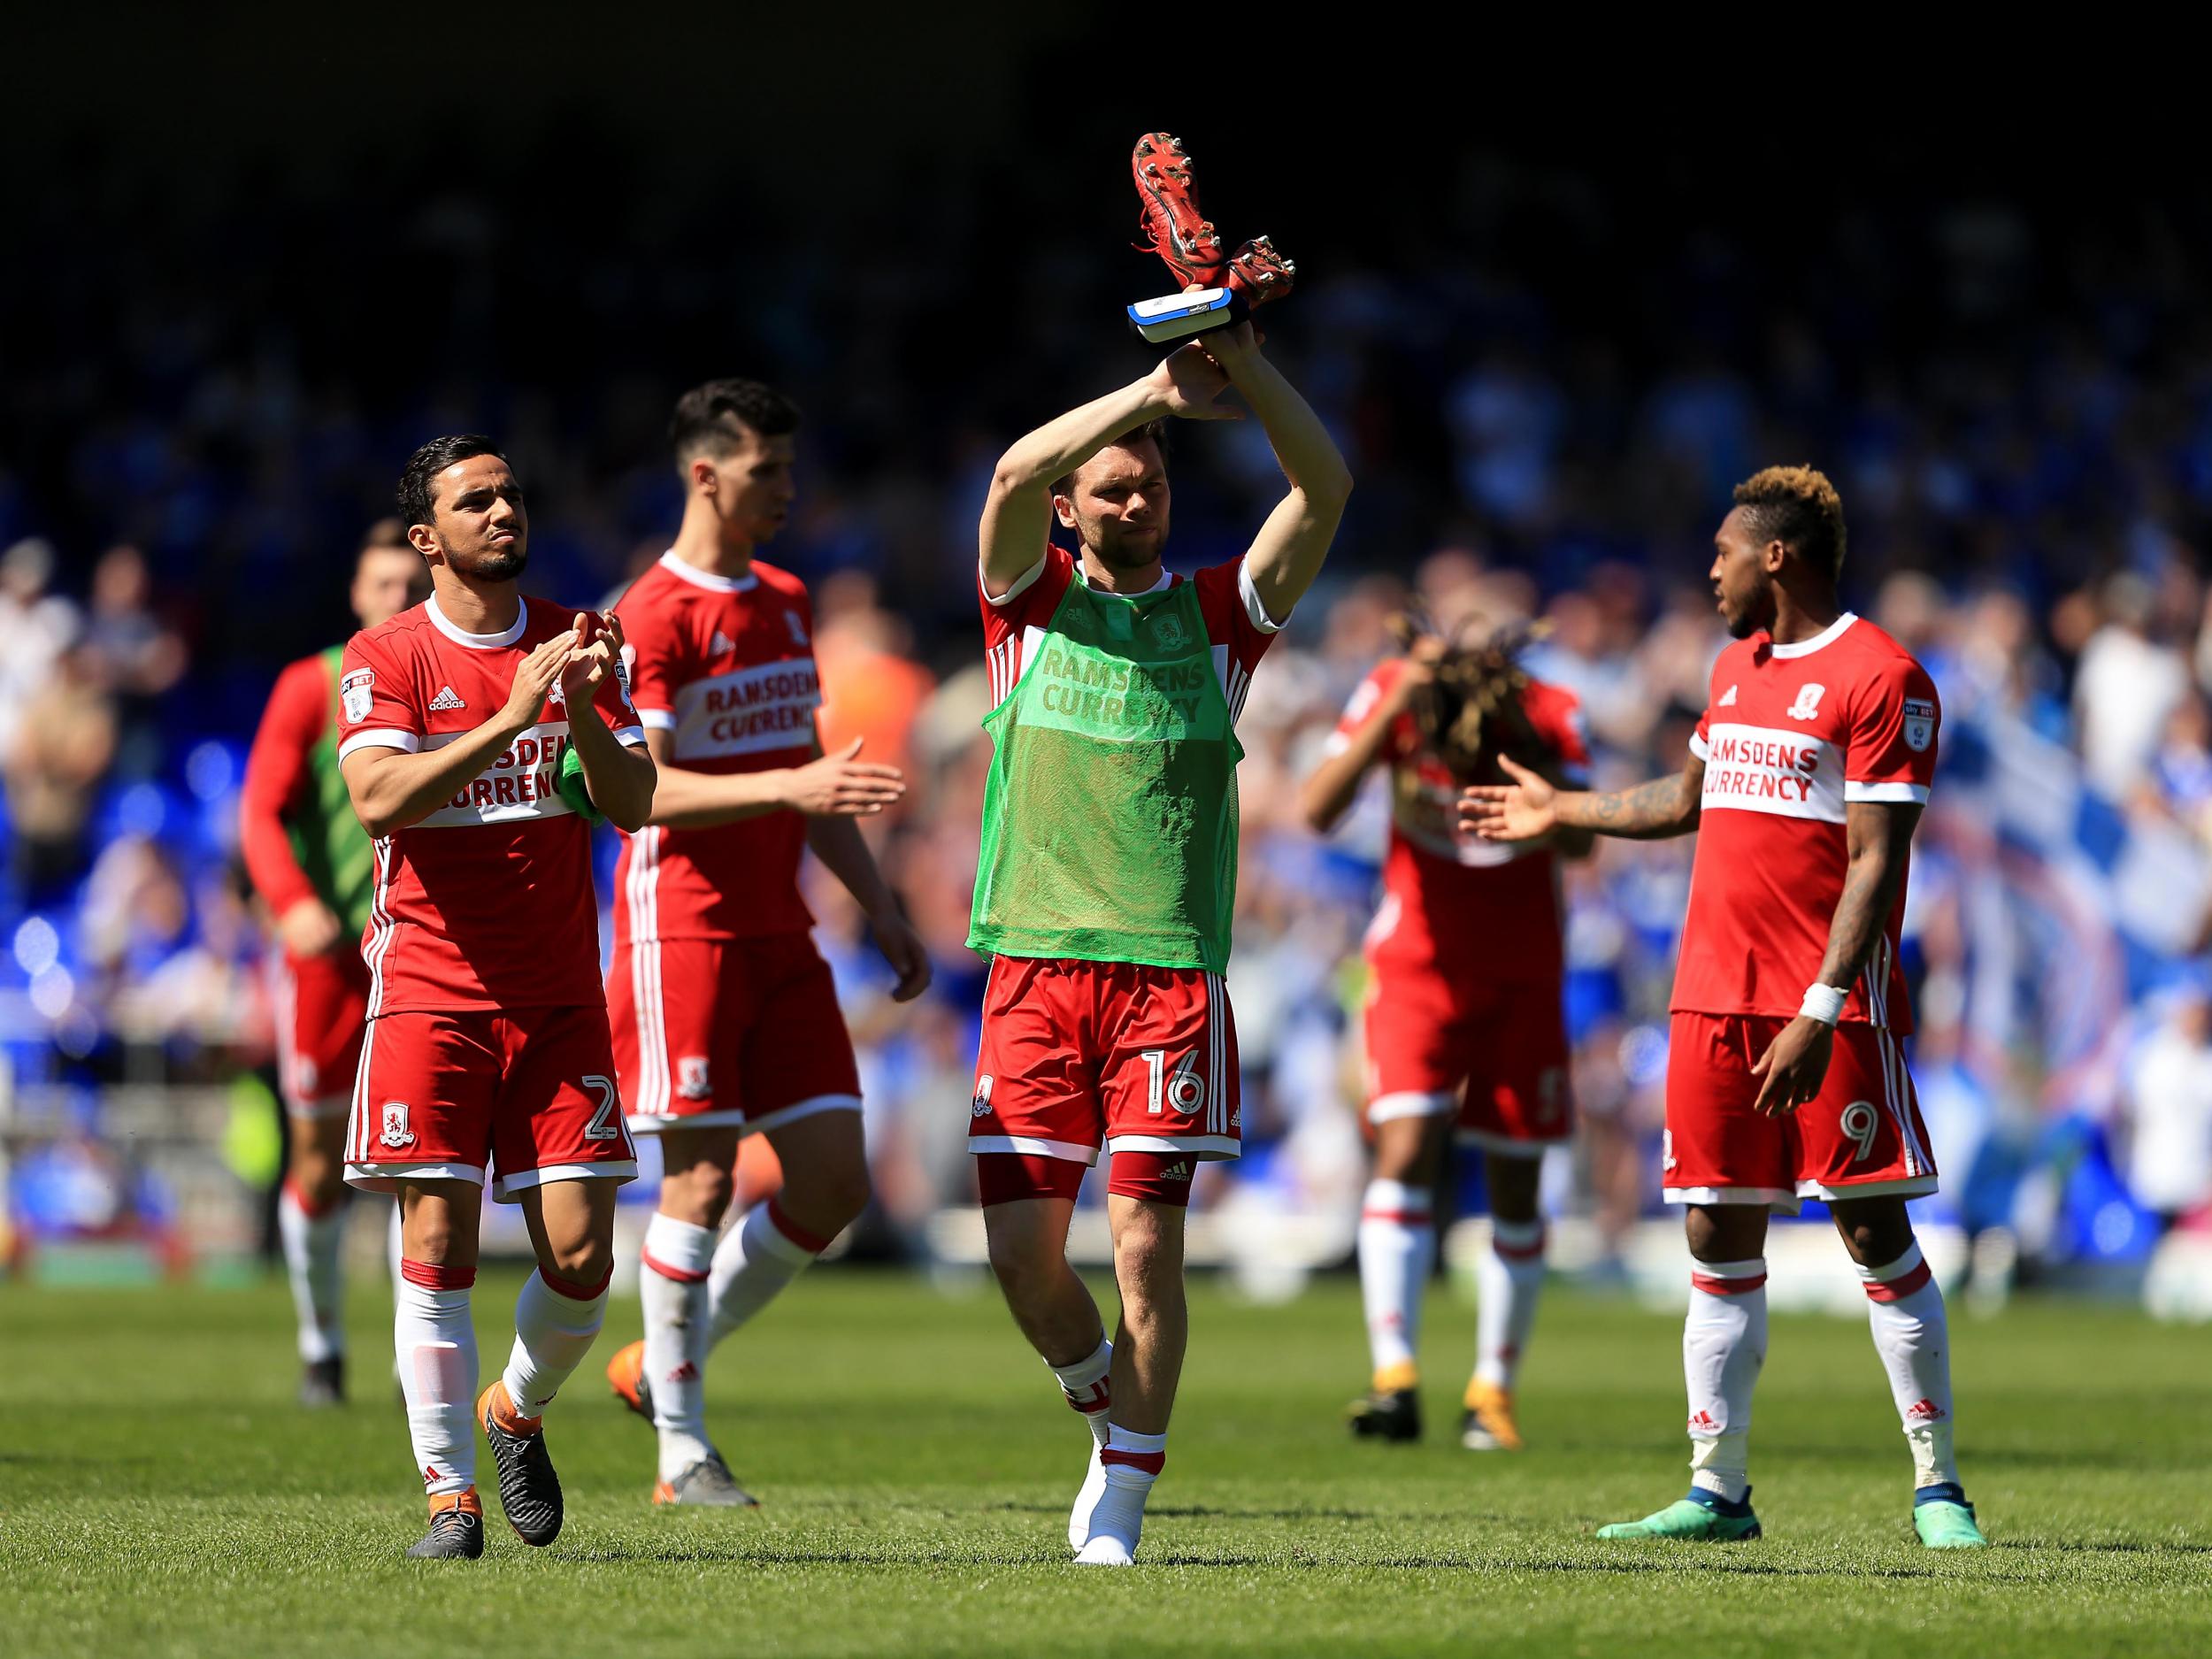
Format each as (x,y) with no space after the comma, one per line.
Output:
(1460,1033)
(1785,1080)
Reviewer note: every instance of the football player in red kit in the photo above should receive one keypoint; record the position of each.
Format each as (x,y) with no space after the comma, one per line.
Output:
(725,1017)
(1461,1036)
(313,868)
(481,731)
(1785,1080)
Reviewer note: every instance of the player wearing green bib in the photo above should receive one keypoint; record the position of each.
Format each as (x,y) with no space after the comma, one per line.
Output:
(311,863)
(1107,880)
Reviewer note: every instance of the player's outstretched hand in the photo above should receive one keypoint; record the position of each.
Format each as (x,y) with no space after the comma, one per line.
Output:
(840,786)
(535,676)
(1188,384)
(1518,811)
(902,947)
(1796,1064)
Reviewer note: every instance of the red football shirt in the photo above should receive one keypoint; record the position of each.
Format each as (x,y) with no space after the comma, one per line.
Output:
(277,777)
(486,903)
(1237,625)
(1791,735)
(726,666)
(1488,909)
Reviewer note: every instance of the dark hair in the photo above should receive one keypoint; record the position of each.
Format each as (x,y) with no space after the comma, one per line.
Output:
(1156,430)
(415,491)
(713,419)
(1798,507)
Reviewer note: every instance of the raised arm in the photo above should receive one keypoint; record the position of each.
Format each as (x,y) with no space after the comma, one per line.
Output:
(1529,807)
(1017,512)
(1359,741)
(1286,555)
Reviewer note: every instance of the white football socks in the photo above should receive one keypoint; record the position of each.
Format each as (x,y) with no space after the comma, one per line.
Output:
(1724,1344)
(436,1344)
(1912,1335)
(1132,1463)
(1511,1278)
(310,1241)
(673,1289)
(1084,1387)
(755,1261)
(555,1324)
(1397,1248)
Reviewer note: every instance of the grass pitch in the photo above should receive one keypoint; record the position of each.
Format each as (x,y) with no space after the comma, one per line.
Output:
(160,1493)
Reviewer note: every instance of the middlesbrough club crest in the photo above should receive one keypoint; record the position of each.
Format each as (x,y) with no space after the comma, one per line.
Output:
(980,1106)
(691,1077)
(397,1134)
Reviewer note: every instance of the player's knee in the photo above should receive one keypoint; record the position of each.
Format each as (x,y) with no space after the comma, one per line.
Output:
(836,1195)
(699,1193)
(586,1262)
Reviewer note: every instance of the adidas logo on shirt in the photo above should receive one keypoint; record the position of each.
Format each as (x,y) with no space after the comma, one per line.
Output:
(445,699)
(721,645)
(1727,699)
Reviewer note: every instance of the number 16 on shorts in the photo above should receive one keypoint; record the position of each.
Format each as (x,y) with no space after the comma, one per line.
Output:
(1181,1090)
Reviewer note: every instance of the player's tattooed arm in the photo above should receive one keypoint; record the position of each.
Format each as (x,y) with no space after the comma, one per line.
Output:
(391,790)
(1530,806)
(1286,555)
(1877,836)
(1017,512)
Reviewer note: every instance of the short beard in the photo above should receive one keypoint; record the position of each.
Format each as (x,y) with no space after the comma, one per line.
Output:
(498,565)
(1115,555)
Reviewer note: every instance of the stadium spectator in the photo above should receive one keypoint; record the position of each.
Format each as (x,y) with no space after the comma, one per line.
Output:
(2169,1098)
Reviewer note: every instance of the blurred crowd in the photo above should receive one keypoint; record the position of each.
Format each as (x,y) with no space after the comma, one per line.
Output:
(2018,413)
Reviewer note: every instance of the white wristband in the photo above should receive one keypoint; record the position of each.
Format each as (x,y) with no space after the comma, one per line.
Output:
(1823,1002)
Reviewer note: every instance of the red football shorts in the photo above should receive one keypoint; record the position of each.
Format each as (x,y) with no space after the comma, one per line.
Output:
(528,1093)
(1079,1054)
(742,1033)
(322,1003)
(1862,1138)
(1429,1031)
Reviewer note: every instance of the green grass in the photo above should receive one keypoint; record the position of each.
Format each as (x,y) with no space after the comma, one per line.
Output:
(159,1493)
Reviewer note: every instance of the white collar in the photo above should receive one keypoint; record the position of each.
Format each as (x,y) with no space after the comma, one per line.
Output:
(709,579)
(1827,636)
(481,641)
(1166,581)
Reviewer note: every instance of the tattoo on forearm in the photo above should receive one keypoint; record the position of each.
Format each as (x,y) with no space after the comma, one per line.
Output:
(1649,810)
(1861,913)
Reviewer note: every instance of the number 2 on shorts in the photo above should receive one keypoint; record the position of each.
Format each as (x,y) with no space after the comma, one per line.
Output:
(604,1125)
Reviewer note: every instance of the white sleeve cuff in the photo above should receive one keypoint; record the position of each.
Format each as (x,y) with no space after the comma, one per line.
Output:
(634,735)
(658,719)
(1022,584)
(1697,747)
(1915,792)
(1253,608)
(386,737)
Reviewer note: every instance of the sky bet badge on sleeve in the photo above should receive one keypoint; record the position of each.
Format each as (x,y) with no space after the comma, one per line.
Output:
(1219,290)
